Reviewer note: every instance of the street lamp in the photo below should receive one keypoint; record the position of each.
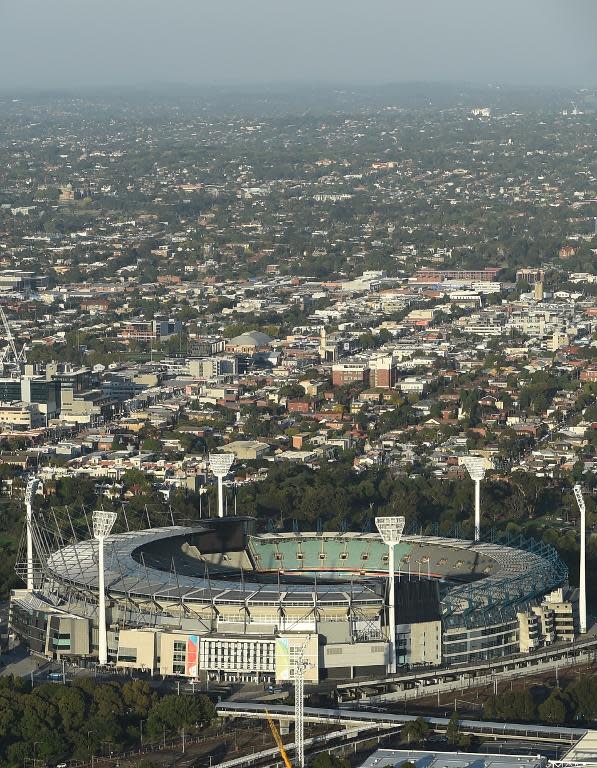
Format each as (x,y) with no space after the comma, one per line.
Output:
(108,742)
(390,529)
(102,525)
(220,464)
(30,491)
(202,490)
(475,466)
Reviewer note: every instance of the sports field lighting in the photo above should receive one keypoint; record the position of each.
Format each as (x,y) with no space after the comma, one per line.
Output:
(475,466)
(30,491)
(390,529)
(582,579)
(102,525)
(220,464)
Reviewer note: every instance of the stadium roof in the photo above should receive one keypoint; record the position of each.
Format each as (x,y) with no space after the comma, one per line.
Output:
(382,758)
(154,564)
(251,339)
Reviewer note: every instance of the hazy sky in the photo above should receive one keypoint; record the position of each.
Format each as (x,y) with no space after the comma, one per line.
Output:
(64,43)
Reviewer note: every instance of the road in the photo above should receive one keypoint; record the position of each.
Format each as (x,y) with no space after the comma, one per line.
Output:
(20,663)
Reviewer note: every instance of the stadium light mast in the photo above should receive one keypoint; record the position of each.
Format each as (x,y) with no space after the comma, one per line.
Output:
(475,466)
(102,525)
(582,579)
(390,529)
(220,464)
(30,491)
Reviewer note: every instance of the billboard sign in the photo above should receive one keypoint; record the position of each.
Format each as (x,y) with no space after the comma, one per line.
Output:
(192,662)
(282,658)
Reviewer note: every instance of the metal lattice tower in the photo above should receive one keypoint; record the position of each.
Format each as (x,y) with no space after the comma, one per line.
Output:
(391,529)
(300,666)
(582,579)
(475,466)
(220,464)
(299,715)
(102,525)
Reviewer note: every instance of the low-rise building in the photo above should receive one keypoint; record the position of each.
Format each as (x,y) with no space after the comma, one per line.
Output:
(17,415)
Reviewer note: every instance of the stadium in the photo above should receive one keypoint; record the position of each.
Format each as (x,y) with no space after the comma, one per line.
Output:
(223,601)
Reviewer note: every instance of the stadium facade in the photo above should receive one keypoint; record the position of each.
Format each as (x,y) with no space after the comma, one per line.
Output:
(220,600)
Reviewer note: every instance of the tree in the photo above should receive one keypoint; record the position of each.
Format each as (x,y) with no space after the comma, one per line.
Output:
(72,708)
(109,701)
(453,728)
(514,706)
(176,712)
(553,710)
(329,760)
(138,697)
(291,391)
(136,481)
(415,731)
(435,411)
(151,444)
(583,695)
(577,471)
(41,723)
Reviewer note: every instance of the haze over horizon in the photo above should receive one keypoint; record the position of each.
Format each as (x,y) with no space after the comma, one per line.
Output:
(88,43)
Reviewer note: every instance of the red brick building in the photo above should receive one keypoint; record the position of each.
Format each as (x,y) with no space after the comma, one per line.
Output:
(350,373)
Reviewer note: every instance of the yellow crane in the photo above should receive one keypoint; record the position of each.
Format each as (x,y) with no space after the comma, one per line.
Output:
(278,738)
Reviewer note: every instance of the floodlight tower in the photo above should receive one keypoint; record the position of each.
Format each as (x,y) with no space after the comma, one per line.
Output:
(220,464)
(102,525)
(390,529)
(582,579)
(30,491)
(475,466)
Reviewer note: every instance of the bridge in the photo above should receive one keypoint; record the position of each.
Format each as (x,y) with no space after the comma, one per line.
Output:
(414,684)
(358,718)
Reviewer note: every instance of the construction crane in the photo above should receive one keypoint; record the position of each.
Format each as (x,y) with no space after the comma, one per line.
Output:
(9,354)
(278,739)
